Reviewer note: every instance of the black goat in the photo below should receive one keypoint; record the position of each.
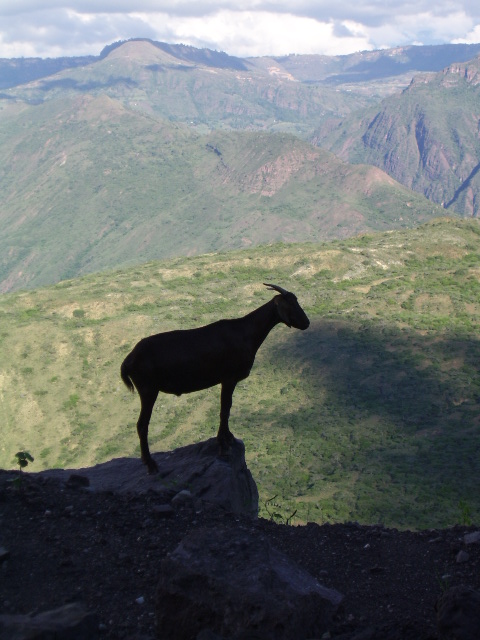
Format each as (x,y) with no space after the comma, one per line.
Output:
(189,360)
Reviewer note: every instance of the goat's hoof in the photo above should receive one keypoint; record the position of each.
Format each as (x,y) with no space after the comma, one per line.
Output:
(225,442)
(152,467)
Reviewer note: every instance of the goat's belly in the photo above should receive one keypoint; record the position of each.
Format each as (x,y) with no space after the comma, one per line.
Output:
(187,387)
(189,382)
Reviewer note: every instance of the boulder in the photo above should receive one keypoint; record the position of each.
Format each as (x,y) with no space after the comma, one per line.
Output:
(224,481)
(472,538)
(71,622)
(237,586)
(458,614)
(197,468)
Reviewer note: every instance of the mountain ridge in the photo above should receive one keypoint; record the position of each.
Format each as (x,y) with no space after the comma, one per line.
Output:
(356,67)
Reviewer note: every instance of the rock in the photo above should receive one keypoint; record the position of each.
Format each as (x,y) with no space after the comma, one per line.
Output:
(78,481)
(472,538)
(197,468)
(182,498)
(458,614)
(207,634)
(163,510)
(237,586)
(71,622)
(225,482)
(462,556)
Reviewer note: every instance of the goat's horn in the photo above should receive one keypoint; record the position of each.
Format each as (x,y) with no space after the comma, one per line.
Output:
(275,287)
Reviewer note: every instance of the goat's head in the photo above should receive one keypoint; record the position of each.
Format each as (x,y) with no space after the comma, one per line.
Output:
(289,311)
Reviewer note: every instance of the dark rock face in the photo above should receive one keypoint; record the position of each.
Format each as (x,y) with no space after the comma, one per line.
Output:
(70,622)
(458,614)
(196,468)
(238,586)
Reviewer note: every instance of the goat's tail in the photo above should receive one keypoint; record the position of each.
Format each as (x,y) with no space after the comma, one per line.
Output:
(125,377)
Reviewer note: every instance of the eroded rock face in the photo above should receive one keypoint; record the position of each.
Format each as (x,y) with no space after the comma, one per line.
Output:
(238,586)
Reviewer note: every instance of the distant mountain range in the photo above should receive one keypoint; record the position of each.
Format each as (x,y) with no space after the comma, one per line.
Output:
(174,84)
(363,66)
(153,150)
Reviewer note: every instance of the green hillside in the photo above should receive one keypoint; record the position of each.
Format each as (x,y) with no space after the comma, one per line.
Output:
(88,184)
(370,415)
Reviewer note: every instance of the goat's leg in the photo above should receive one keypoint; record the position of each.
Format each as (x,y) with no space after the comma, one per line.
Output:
(147,400)
(224,435)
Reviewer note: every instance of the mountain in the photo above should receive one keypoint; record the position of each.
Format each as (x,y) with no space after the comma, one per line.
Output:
(212,89)
(88,184)
(426,137)
(206,91)
(370,415)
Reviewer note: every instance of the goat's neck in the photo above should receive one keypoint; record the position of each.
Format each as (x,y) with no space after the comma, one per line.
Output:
(261,322)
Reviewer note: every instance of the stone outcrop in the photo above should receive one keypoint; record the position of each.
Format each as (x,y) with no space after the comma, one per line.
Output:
(237,586)
(197,468)
(224,481)
(70,622)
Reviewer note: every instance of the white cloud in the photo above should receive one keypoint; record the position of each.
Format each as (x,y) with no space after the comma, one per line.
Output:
(251,33)
(243,28)
(421,28)
(472,37)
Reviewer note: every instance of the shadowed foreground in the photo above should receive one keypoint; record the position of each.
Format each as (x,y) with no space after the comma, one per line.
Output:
(62,543)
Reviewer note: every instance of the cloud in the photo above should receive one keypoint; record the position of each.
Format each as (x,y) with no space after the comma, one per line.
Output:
(258,33)
(472,37)
(243,28)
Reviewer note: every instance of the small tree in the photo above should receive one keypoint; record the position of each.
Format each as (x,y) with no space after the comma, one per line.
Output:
(23,458)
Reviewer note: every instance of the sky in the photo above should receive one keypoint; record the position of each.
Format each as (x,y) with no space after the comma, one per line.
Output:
(53,28)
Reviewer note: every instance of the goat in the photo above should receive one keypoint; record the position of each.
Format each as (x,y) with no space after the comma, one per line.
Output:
(188,360)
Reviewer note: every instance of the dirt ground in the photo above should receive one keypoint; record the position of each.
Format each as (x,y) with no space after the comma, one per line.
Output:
(65,544)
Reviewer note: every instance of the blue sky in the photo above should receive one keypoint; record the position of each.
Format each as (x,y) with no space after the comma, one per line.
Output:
(51,28)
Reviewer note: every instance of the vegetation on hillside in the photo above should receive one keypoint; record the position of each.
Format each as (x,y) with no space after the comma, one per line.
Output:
(370,415)
(89,185)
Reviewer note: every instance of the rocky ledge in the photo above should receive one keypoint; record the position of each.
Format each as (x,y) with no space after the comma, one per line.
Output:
(110,552)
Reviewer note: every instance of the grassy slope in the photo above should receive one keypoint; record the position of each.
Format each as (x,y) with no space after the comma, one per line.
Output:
(372,414)
(88,185)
